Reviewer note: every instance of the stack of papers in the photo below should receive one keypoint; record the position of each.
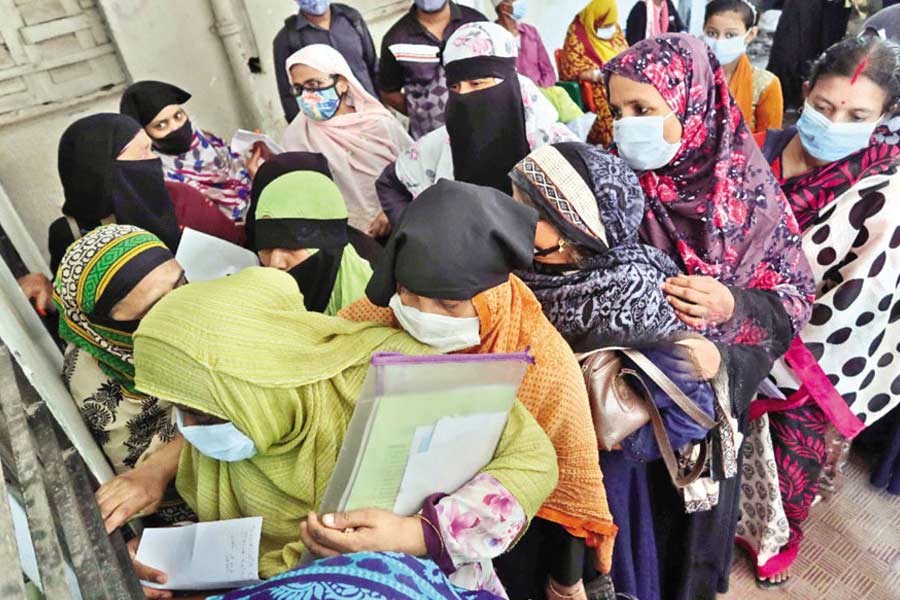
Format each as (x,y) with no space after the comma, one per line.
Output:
(205,556)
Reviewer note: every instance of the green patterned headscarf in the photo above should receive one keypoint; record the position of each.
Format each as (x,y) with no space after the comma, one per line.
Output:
(97,271)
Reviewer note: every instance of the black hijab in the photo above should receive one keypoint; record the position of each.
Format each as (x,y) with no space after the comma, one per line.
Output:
(97,185)
(143,100)
(454,242)
(487,127)
(272,169)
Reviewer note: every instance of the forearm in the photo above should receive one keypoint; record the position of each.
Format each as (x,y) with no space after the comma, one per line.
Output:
(164,462)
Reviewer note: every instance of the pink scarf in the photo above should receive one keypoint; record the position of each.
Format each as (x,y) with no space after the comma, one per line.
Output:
(657,18)
(358,145)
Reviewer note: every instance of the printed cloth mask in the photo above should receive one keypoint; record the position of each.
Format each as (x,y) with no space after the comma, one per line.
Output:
(321,104)
(641,143)
(314,7)
(607,32)
(828,141)
(727,50)
(222,442)
(177,142)
(447,334)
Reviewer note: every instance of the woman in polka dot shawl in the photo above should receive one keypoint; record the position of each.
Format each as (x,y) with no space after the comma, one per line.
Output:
(841,373)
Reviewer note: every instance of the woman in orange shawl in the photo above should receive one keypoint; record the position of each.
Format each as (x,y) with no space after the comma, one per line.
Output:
(593,38)
(445,277)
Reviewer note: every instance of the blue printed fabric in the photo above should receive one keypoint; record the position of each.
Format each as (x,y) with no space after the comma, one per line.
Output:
(362,576)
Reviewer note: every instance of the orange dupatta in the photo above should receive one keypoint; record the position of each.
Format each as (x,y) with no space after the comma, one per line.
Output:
(741,87)
(554,392)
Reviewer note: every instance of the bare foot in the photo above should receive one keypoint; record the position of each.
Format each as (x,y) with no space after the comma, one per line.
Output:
(777,579)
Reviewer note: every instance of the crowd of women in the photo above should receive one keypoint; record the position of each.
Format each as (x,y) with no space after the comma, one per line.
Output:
(755,268)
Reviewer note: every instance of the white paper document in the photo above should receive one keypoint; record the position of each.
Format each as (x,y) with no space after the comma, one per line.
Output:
(459,447)
(204,257)
(243,140)
(204,556)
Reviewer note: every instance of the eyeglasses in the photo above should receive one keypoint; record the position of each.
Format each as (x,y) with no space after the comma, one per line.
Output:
(313,85)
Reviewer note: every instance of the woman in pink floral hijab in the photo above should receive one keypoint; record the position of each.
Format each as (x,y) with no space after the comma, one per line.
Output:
(715,206)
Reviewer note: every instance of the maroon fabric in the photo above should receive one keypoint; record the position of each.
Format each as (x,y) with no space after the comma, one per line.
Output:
(716,207)
(194,210)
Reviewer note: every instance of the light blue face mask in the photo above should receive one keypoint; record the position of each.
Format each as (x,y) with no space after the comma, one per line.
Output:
(519,8)
(430,6)
(314,7)
(727,50)
(828,141)
(222,442)
(641,143)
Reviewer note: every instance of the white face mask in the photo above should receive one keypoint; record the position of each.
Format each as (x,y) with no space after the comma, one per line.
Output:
(641,142)
(606,33)
(447,334)
(223,442)
(727,50)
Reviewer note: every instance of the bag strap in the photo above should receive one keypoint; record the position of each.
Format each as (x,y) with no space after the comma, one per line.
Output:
(665,445)
(669,388)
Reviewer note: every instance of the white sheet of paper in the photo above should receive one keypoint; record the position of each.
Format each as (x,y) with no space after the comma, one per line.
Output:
(460,447)
(204,556)
(243,140)
(204,257)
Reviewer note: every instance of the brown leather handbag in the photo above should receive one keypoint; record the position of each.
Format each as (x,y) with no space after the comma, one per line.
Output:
(621,404)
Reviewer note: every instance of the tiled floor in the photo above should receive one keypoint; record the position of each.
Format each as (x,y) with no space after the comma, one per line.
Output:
(851,550)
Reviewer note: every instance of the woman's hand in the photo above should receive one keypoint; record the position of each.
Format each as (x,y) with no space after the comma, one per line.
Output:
(146,573)
(260,153)
(139,491)
(698,300)
(704,356)
(136,493)
(367,530)
(592,75)
(380,226)
(38,289)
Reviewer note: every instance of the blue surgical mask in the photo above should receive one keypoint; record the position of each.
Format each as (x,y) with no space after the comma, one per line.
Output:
(519,8)
(314,7)
(430,6)
(641,142)
(222,442)
(321,104)
(828,141)
(727,50)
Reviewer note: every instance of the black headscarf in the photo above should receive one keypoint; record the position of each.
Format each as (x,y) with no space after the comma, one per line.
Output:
(454,242)
(487,127)
(272,169)
(143,100)
(97,185)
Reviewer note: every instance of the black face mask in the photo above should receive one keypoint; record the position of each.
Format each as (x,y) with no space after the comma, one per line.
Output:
(140,198)
(487,134)
(316,276)
(177,142)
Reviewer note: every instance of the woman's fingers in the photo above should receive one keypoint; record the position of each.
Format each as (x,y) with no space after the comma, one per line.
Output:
(688,308)
(686,293)
(695,322)
(312,544)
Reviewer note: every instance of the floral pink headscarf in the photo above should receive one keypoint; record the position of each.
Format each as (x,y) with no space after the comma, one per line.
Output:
(717,206)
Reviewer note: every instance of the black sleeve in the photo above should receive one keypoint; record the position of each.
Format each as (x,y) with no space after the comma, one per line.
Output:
(390,75)
(392,194)
(282,51)
(59,237)
(369,54)
(679,24)
(636,26)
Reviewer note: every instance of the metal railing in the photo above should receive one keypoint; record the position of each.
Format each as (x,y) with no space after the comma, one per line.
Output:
(64,524)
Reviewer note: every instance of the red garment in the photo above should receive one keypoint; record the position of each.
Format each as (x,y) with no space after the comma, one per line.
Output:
(194,210)
(716,206)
